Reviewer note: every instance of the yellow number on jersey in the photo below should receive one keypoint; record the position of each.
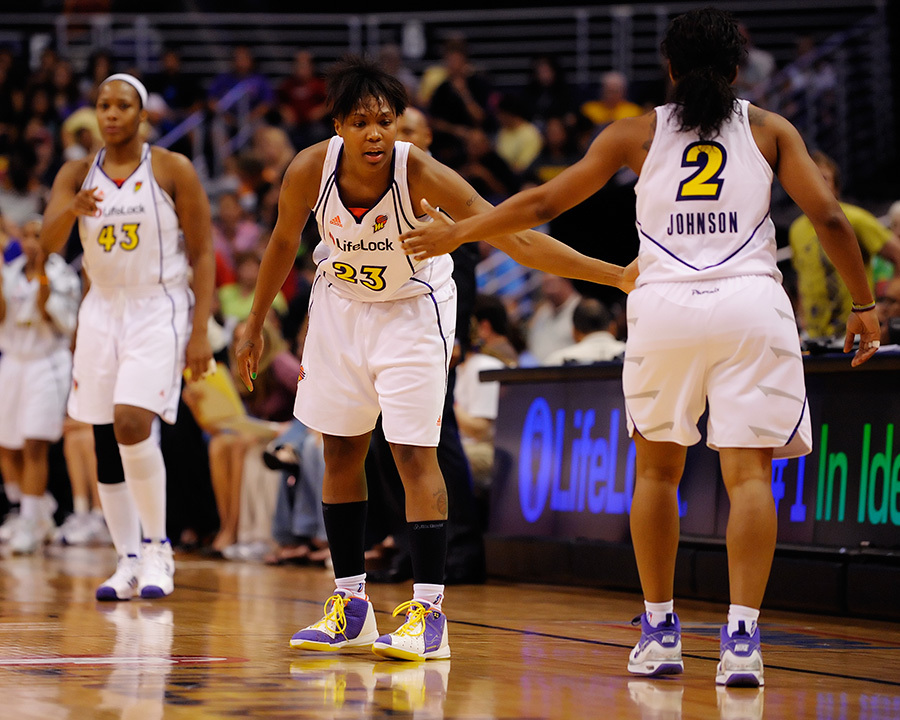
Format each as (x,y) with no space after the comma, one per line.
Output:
(372,275)
(343,271)
(131,235)
(107,237)
(705,184)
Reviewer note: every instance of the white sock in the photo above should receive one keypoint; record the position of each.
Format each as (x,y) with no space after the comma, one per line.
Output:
(32,507)
(145,475)
(121,518)
(738,613)
(81,505)
(432,594)
(13,492)
(656,612)
(353,585)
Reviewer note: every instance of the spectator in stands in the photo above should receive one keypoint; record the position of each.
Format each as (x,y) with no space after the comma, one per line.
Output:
(435,74)
(234,231)
(559,151)
(180,90)
(257,94)
(236,298)
(272,401)
(459,104)
(825,300)
(391,61)
(594,331)
(485,170)
(551,325)
(273,147)
(519,141)
(548,93)
(475,401)
(613,103)
(182,94)
(887,304)
(21,193)
(755,71)
(883,269)
(39,297)
(301,102)
(64,89)
(100,67)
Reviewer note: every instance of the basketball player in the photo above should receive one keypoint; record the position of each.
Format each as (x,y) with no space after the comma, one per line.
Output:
(380,335)
(39,298)
(144,223)
(708,322)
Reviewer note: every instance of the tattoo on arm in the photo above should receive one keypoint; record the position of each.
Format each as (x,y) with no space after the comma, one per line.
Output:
(471,200)
(756,116)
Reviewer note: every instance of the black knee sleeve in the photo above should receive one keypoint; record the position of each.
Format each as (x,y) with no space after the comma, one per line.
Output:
(109,462)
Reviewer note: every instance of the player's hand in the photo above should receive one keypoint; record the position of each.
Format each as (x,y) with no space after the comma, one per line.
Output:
(249,349)
(629,276)
(865,324)
(436,238)
(85,202)
(198,357)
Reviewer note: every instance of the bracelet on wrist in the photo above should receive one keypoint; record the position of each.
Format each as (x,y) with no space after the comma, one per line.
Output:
(855,307)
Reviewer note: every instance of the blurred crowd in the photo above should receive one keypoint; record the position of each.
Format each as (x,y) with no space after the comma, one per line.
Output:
(251,489)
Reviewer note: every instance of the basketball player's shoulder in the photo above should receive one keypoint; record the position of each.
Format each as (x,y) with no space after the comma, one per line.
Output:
(74,172)
(170,160)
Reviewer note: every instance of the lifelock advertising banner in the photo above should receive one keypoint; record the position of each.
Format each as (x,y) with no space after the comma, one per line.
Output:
(564,466)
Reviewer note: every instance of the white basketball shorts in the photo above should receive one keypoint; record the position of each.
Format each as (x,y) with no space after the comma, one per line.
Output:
(33,401)
(732,343)
(365,358)
(129,350)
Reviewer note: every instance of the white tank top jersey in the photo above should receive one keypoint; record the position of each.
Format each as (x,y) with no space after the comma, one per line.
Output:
(362,259)
(137,240)
(703,205)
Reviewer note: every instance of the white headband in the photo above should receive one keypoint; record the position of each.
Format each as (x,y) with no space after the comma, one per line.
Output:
(131,80)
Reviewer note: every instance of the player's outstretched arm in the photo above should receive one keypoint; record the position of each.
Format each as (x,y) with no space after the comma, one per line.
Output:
(300,179)
(617,145)
(804,183)
(430,179)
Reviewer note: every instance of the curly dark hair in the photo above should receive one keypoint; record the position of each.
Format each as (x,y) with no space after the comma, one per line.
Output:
(705,48)
(354,79)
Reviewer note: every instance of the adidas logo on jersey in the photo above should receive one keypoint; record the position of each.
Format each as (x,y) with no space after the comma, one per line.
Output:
(336,220)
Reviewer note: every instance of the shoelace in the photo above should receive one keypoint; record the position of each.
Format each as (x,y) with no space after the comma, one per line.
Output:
(334,615)
(415,618)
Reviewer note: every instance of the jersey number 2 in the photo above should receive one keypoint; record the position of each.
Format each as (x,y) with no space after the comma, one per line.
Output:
(705,184)
(108,239)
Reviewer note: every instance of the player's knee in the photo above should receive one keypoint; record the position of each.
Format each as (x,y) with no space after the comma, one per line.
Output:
(132,425)
(35,450)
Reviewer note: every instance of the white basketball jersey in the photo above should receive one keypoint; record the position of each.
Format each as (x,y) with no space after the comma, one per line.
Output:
(703,205)
(362,259)
(136,241)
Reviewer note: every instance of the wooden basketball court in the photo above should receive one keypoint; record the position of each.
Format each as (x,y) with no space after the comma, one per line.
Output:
(218,648)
